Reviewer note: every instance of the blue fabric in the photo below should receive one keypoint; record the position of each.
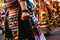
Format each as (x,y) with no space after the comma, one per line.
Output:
(35,20)
(29,3)
(5,8)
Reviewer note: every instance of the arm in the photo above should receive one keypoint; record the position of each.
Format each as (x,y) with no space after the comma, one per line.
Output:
(23,5)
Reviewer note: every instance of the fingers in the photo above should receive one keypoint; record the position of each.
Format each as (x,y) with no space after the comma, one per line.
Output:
(24,14)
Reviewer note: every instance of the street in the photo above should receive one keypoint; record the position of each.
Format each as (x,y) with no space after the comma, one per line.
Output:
(54,35)
(2,37)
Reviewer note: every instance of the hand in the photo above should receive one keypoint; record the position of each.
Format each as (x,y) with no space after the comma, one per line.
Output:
(24,14)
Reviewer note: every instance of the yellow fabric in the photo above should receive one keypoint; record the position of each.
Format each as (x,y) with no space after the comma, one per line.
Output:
(43,12)
(16,37)
(44,26)
(1,3)
(59,4)
(54,9)
(43,22)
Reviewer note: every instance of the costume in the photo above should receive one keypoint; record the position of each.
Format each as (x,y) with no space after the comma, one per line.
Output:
(11,24)
(24,27)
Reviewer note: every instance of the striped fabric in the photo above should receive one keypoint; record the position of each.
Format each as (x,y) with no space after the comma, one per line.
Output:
(12,8)
(12,5)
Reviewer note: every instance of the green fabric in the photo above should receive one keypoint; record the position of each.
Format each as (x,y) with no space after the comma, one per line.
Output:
(13,16)
(8,17)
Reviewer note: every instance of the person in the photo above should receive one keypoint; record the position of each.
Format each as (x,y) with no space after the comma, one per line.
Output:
(1,28)
(24,28)
(25,31)
(8,33)
(12,8)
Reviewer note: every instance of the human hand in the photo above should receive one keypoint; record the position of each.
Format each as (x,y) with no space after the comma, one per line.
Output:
(24,15)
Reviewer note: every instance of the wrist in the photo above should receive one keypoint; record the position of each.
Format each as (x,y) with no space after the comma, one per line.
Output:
(24,6)
(21,0)
(25,10)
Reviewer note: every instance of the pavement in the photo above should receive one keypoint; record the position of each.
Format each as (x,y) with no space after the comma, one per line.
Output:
(2,37)
(55,35)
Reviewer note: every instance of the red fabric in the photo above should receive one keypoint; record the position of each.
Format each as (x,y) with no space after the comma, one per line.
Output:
(54,2)
(41,0)
(38,16)
(43,9)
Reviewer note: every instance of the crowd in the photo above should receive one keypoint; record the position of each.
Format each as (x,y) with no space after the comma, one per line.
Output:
(26,19)
(48,13)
